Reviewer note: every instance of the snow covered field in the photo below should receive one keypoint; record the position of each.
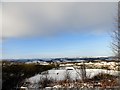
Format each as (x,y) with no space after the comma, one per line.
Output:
(74,74)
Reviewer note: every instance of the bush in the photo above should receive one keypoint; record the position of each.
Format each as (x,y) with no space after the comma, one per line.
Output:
(103,76)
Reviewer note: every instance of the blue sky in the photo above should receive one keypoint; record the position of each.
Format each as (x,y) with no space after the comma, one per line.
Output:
(65,45)
(49,30)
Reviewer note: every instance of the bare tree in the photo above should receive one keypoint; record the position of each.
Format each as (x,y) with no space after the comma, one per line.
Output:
(82,72)
(45,81)
(116,40)
(68,76)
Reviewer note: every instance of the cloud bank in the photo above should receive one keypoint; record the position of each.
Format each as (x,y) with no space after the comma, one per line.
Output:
(44,19)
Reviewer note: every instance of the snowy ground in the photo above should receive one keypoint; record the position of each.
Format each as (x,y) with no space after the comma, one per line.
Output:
(74,74)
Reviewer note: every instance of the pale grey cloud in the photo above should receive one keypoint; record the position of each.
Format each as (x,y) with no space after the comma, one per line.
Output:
(60,0)
(0,20)
(32,19)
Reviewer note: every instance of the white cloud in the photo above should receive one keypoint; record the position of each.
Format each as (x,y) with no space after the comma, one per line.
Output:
(35,19)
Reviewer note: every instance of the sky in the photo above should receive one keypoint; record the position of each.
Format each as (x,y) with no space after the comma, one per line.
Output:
(57,29)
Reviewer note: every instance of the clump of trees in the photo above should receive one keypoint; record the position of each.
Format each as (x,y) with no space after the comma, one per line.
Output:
(13,75)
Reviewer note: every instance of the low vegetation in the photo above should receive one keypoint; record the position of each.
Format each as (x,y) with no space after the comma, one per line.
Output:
(100,80)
